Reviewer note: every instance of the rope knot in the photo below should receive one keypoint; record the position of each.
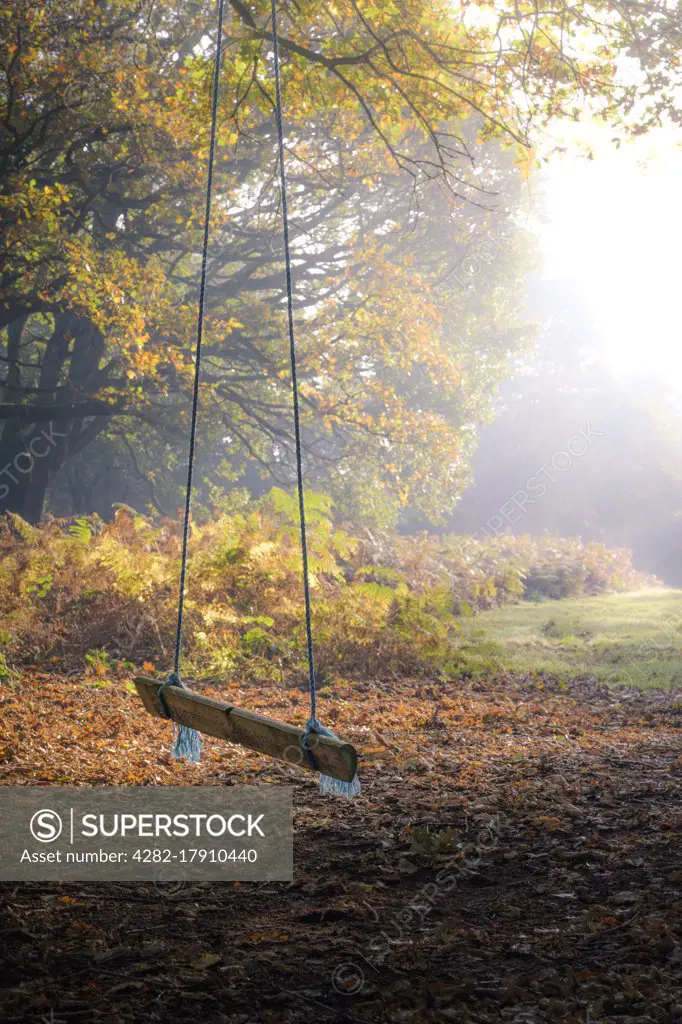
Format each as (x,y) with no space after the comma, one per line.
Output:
(185,741)
(327,784)
(172,680)
(313,726)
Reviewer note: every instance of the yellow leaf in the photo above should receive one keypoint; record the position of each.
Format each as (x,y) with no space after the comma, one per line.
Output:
(206,960)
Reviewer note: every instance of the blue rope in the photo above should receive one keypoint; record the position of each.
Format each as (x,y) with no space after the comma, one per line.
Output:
(186,742)
(327,784)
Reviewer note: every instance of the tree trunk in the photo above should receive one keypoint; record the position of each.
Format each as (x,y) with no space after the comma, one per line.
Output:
(27,450)
(12,484)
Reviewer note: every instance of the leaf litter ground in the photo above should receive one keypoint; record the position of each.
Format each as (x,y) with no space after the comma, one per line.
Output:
(515,856)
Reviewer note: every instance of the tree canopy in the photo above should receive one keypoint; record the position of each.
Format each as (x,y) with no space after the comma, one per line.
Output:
(409,127)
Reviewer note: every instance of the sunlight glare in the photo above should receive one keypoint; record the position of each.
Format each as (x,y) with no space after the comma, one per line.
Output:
(611,228)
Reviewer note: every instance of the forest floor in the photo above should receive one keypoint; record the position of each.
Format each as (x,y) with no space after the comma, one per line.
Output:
(634,638)
(514,856)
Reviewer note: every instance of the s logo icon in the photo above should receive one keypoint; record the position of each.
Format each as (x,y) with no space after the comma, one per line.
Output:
(46,826)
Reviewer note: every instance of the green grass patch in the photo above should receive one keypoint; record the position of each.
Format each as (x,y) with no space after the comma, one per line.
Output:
(631,638)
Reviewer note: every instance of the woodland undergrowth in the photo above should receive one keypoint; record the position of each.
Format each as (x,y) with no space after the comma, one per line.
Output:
(83,592)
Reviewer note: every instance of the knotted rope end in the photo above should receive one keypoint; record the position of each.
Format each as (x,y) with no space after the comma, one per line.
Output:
(185,742)
(337,787)
(328,785)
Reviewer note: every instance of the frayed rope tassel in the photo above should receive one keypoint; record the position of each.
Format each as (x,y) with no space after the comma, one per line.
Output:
(328,785)
(185,742)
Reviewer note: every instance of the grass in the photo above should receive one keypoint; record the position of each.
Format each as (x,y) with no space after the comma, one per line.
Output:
(632,638)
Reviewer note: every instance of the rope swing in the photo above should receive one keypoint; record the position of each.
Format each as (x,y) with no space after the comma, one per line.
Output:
(171,699)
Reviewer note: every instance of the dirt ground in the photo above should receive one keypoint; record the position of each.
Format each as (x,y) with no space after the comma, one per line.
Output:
(514,856)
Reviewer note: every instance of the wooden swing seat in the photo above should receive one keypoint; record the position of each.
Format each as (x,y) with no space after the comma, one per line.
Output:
(266,735)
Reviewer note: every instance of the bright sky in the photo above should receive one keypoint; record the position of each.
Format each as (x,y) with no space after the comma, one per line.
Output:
(613,229)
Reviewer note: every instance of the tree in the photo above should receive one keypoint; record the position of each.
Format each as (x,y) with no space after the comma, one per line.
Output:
(104,124)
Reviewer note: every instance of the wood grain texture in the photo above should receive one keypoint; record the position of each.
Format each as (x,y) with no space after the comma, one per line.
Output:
(266,735)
